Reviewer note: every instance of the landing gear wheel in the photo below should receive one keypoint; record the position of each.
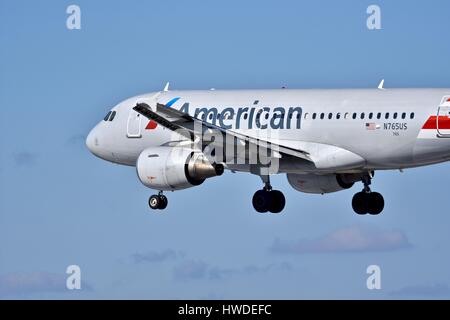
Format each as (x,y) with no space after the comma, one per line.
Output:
(375,203)
(359,203)
(164,202)
(158,201)
(154,202)
(278,201)
(268,201)
(262,201)
(368,202)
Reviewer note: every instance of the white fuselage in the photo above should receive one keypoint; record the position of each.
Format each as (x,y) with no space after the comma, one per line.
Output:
(377,129)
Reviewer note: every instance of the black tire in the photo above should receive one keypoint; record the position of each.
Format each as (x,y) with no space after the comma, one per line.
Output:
(359,203)
(278,201)
(154,202)
(262,201)
(163,202)
(375,203)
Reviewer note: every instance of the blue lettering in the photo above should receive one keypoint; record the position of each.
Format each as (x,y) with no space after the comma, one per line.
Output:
(226,114)
(261,118)
(238,117)
(208,115)
(277,121)
(298,111)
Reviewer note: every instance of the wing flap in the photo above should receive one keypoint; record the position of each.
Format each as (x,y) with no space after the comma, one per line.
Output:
(185,124)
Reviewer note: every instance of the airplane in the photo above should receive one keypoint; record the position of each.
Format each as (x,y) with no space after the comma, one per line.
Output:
(324,140)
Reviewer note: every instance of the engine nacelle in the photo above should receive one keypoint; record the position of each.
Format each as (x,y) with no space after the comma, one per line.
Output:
(174,168)
(313,183)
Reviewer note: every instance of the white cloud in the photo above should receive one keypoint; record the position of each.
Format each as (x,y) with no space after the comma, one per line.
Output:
(154,256)
(191,269)
(200,270)
(23,284)
(355,238)
(431,291)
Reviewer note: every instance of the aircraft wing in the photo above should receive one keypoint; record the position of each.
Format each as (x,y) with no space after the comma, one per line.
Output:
(189,126)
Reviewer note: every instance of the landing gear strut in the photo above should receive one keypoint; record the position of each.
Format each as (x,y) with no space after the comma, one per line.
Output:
(268,200)
(367,201)
(158,201)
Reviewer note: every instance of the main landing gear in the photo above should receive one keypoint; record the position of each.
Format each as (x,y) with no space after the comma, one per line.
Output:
(367,201)
(268,200)
(158,201)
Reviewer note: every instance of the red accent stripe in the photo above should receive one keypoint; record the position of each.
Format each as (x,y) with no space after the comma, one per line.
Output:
(430,124)
(444,123)
(151,125)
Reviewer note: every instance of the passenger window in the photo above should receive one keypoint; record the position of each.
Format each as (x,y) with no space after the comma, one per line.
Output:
(354,115)
(362,115)
(322,115)
(338,115)
(346,115)
(210,116)
(395,115)
(314,116)
(404,115)
(387,115)
(412,115)
(113,115)
(330,116)
(379,115)
(370,115)
(107,116)
(306,115)
(267,116)
(246,116)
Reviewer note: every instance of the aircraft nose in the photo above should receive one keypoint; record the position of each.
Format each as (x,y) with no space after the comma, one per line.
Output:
(92,141)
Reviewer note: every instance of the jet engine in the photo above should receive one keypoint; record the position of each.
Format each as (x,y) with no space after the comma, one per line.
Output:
(313,183)
(174,168)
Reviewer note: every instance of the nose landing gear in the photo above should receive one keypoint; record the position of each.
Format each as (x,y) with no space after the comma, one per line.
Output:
(268,200)
(367,201)
(158,201)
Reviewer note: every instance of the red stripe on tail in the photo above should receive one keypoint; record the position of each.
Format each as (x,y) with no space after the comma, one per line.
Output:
(444,123)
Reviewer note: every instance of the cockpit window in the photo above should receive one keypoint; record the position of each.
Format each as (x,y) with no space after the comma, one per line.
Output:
(107,116)
(113,115)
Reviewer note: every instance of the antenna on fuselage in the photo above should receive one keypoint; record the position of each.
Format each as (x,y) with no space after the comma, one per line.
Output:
(381,85)
(166,88)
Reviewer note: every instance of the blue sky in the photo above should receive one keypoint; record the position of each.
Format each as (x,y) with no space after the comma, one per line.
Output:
(59,205)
